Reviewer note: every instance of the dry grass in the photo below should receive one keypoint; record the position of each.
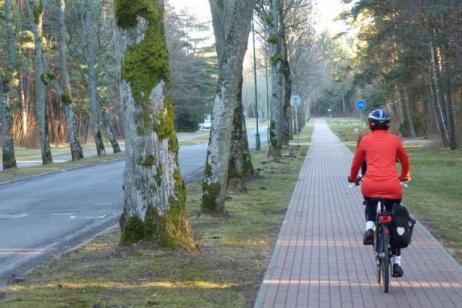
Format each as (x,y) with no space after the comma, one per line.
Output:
(234,253)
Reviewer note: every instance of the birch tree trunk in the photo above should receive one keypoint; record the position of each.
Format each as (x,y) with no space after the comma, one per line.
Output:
(35,15)
(231,65)
(155,196)
(438,96)
(275,52)
(66,95)
(9,159)
(240,162)
(434,113)
(90,58)
(445,60)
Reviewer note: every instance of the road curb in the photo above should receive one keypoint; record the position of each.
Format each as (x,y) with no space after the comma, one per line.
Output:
(31,177)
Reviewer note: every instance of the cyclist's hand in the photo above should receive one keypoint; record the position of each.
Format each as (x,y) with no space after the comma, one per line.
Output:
(404,178)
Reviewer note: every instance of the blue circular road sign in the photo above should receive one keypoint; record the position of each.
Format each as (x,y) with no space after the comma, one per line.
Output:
(361,105)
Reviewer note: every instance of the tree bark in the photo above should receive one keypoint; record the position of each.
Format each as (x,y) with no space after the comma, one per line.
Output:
(449,110)
(218,154)
(408,114)
(90,58)
(436,119)
(8,158)
(155,196)
(438,96)
(275,53)
(240,162)
(287,78)
(109,132)
(35,14)
(66,94)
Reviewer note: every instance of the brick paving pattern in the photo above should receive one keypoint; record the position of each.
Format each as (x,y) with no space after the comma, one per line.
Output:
(319,259)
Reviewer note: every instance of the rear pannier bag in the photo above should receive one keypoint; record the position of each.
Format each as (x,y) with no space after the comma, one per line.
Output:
(402,226)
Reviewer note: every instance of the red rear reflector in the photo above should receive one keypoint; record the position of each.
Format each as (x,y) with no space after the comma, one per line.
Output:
(386,231)
(385,220)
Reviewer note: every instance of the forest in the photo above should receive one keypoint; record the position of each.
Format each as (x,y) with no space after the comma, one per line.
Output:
(406,55)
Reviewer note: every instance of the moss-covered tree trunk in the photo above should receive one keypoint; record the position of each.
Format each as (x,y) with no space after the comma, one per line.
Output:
(8,157)
(240,160)
(215,182)
(35,15)
(90,58)
(155,196)
(288,132)
(109,133)
(275,51)
(66,94)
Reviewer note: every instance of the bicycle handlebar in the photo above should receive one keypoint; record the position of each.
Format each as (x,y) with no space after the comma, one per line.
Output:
(360,180)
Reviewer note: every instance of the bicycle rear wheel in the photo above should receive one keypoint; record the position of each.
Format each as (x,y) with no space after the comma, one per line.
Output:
(378,259)
(385,263)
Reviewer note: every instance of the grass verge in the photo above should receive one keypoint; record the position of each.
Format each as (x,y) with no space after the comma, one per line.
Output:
(434,193)
(22,173)
(234,253)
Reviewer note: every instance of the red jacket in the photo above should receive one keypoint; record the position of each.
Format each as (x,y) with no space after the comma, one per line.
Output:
(381,149)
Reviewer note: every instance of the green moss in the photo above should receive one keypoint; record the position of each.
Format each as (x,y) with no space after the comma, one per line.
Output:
(276,58)
(232,171)
(147,161)
(171,230)
(210,193)
(147,63)
(208,169)
(44,79)
(140,131)
(126,12)
(248,166)
(47,158)
(165,126)
(273,139)
(38,12)
(132,231)
(272,39)
(269,19)
(66,97)
(220,4)
(158,176)
(7,77)
(151,223)
(51,76)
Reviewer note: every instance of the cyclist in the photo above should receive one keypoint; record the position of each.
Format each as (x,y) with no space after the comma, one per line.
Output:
(381,149)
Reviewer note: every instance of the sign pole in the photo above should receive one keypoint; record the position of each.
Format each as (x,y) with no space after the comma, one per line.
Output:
(296,124)
(360,106)
(257,135)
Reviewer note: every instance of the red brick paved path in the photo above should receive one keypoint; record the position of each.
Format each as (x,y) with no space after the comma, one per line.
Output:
(319,259)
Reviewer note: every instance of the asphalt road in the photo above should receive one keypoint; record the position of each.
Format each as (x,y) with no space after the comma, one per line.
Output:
(46,216)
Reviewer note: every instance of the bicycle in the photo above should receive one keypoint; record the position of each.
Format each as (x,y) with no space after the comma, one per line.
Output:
(382,247)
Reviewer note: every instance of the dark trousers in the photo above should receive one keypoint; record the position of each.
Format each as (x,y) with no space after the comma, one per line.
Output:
(371,214)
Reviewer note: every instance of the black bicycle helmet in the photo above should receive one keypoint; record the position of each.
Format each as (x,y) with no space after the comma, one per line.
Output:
(379,119)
